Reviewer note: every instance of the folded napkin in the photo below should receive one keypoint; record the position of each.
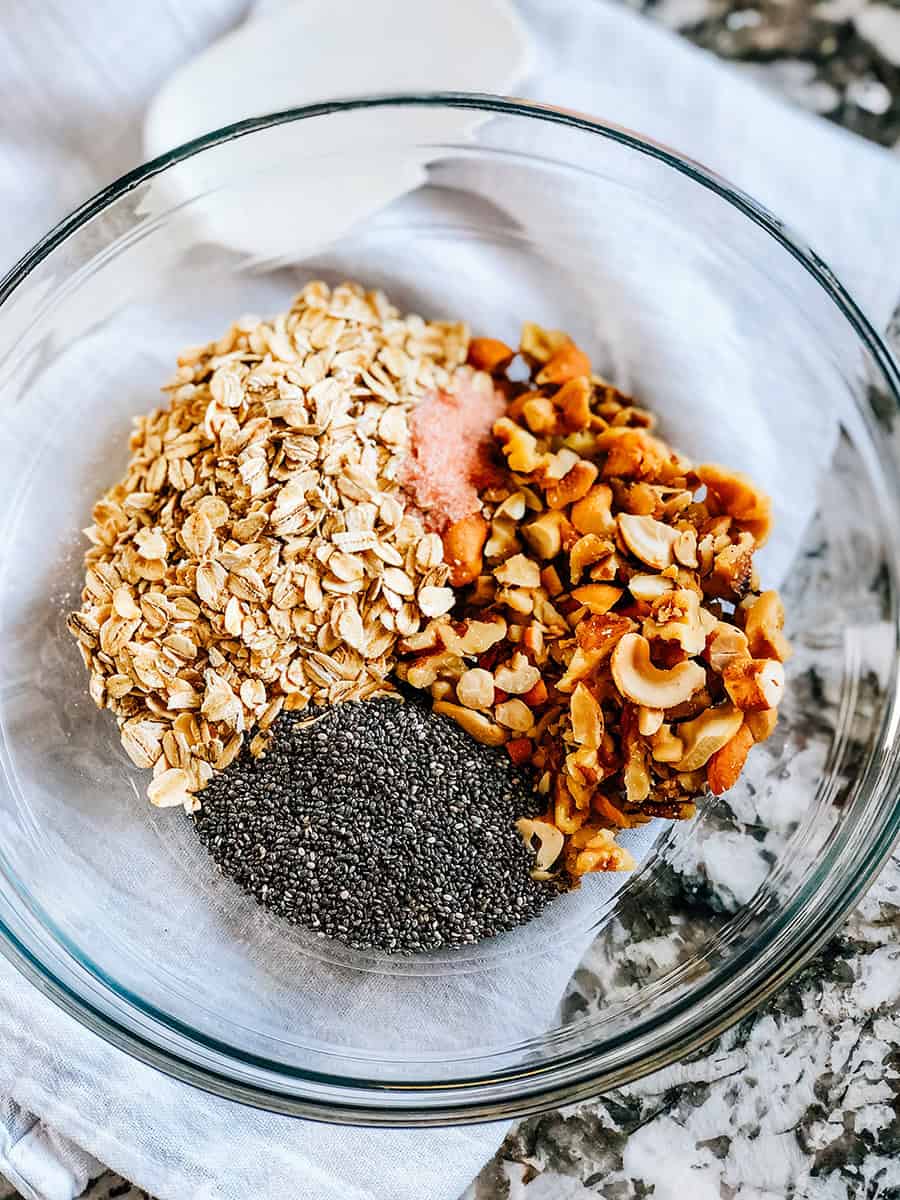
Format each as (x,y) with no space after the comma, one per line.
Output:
(71,130)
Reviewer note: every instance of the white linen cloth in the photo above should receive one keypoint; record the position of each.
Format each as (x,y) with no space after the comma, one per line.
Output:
(66,131)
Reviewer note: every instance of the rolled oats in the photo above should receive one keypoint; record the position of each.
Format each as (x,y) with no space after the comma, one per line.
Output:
(260,537)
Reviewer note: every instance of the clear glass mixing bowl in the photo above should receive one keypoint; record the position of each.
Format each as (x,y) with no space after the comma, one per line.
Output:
(682,288)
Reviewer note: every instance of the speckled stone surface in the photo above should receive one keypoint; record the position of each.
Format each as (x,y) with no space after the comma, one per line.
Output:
(838,58)
(800,1101)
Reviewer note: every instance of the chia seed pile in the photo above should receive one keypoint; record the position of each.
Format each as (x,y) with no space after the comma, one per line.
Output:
(380,825)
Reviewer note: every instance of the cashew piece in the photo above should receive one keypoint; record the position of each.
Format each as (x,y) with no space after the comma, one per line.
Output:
(518,571)
(544,534)
(518,677)
(587,717)
(706,734)
(475,689)
(550,842)
(727,645)
(763,626)
(650,587)
(648,539)
(754,684)
(665,747)
(641,682)
(515,714)
(475,723)
(650,721)
(463,545)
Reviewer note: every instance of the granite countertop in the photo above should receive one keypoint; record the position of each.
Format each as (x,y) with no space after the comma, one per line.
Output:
(802,1099)
(837,58)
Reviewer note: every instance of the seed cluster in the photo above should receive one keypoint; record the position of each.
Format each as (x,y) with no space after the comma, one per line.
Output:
(378,824)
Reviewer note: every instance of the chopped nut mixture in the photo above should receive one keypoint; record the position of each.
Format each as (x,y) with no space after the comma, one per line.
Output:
(610,630)
(260,553)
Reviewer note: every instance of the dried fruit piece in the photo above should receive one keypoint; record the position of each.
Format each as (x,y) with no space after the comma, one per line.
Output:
(727,763)
(593,512)
(733,493)
(597,598)
(463,543)
(489,354)
(536,695)
(520,750)
(566,363)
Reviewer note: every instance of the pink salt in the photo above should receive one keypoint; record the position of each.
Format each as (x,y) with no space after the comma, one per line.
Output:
(452,452)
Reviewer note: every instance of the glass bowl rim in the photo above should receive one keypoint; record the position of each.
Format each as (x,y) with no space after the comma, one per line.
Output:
(521,1091)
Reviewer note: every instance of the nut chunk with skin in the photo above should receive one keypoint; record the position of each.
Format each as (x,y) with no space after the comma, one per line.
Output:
(609,629)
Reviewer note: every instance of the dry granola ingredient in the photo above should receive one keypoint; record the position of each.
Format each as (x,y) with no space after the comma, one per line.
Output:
(452,453)
(610,630)
(380,825)
(320,493)
(260,553)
